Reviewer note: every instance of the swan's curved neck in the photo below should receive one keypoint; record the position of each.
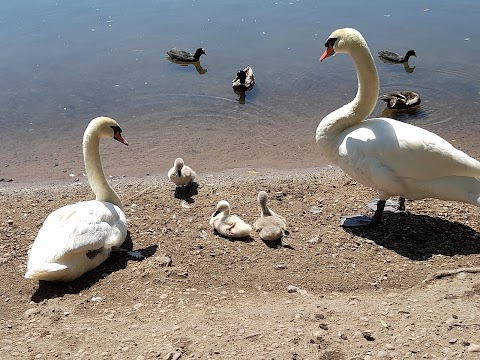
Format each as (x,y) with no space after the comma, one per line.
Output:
(364,102)
(93,165)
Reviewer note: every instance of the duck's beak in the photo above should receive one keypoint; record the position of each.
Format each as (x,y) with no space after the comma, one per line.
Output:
(328,52)
(215,213)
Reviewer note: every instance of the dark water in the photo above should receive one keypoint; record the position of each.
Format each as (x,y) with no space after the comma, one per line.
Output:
(63,63)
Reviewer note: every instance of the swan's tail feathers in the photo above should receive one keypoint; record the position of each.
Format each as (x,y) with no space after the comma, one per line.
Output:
(456,188)
(45,271)
(477,195)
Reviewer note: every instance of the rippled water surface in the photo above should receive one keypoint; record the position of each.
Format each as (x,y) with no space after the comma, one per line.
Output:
(63,63)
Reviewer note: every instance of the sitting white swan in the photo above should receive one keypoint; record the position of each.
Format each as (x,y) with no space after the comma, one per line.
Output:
(227,224)
(270,225)
(78,237)
(181,174)
(388,155)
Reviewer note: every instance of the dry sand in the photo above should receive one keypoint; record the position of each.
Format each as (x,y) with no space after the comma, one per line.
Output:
(358,294)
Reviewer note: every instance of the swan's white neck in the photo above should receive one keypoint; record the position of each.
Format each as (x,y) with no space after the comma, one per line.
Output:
(93,165)
(364,102)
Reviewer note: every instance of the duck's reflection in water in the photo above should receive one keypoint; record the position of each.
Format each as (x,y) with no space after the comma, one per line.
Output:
(196,64)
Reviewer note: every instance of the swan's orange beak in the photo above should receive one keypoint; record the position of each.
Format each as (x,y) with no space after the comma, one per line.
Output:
(328,52)
(120,138)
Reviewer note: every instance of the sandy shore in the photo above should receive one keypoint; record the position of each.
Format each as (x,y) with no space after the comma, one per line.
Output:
(359,294)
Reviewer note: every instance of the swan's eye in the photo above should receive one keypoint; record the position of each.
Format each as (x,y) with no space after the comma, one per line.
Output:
(330,42)
(117,134)
(116,129)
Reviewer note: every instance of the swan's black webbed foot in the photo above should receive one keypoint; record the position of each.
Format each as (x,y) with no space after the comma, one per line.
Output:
(363,220)
(134,255)
(355,221)
(390,206)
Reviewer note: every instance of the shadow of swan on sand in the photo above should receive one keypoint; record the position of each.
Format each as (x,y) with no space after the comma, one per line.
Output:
(186,192)
(419,237)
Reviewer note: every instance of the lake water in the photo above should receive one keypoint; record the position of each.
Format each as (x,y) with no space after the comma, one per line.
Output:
(64,62)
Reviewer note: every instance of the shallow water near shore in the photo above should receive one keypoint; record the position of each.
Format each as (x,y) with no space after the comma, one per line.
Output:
(64,63)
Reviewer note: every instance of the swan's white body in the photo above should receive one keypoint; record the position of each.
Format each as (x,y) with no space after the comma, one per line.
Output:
(181,174)
(78,237)
(270,225)
(227,224)
(388,155)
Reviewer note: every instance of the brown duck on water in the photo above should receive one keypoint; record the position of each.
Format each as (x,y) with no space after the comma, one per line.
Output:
(401,99)
(244,80)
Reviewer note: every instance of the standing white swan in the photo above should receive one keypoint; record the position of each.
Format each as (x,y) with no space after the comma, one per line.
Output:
(390,156)
(78,237)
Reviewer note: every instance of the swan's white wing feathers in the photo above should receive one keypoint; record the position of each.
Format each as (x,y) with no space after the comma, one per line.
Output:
(406,150)
(79,227)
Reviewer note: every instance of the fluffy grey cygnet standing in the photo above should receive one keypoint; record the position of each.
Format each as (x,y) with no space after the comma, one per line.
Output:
(270,225)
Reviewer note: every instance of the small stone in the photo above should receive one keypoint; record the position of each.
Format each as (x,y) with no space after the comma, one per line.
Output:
(473,348)
(323,326)
(452,341)
(314,240)
(461,276)
(319,316)
(368,336)
(164,261)
(382,354)
(31,311)
(292,288)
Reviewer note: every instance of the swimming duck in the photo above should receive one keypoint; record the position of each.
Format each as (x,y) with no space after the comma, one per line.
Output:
(270,225)
(401,99)
(228,225)
(394,57)
(244,80)
(185,56)
(390,156)
(181,174)
(78,237)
